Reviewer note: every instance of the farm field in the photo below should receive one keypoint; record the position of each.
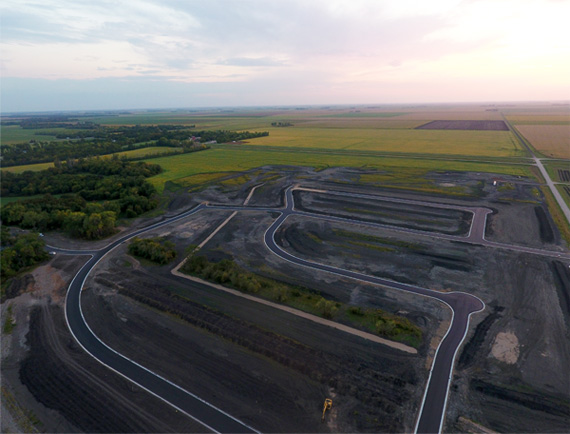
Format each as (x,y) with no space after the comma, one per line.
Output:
(11,134)
(465,125)
(180,167)
(475,143)
(135,153)
(23,168)
(550,140)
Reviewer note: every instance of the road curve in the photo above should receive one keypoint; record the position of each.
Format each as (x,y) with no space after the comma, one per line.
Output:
(208,415)
(434,402)
(463,305)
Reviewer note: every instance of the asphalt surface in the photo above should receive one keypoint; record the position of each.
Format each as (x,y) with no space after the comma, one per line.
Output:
(211,417)
(462,305)
(433,406)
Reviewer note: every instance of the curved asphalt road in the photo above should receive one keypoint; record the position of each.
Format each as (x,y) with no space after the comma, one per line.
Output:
(211,417)
(432,411)
(461,304)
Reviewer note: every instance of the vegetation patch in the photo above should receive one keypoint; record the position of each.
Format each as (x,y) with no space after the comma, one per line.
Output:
(156,250)
(375,239)
(9,322)
(227,272)
(94,193)
(20,252)
(233,159)
(477,125)
(550,140)
(556,213)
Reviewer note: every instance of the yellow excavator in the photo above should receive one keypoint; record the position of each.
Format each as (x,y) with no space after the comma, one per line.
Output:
(327,406)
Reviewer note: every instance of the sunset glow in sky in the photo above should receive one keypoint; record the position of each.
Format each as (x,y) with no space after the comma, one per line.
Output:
(100,54)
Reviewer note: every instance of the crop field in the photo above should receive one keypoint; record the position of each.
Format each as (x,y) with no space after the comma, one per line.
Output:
(183,167)
(540,119)
(550,140)
(475,143)
(135,153)
(465,125)
(355,122)
(11,134)
(144,152)
(33,167)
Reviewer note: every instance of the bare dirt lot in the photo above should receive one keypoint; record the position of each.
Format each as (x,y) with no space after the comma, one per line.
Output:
(273,370)
(465,125)
(405,215)
(50,384)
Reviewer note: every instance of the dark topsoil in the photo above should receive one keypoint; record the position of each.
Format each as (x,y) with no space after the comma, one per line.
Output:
(273,370)
(266,367)
(465,125)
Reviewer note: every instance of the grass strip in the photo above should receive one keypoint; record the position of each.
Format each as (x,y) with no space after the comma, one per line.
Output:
(228,273)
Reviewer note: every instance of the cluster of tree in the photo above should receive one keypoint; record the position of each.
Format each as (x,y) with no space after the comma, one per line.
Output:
(225,271)
(70,213)
(20,252)
(119,185)
(154,249)
(229,273)
(224,136)
(57,121)
(93,179)
(281,124)
(100,140)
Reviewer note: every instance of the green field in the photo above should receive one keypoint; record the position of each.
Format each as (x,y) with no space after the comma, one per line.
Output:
(469,143)
(33,167)
(135,153)
(179,168)
(143,152)
(11,134)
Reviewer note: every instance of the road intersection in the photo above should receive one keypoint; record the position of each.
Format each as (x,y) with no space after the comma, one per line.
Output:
(462,305)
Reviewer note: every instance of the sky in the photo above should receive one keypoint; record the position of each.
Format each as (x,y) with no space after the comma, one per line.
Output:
(128,54)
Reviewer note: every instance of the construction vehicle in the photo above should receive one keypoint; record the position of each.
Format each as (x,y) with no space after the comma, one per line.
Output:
(327,406)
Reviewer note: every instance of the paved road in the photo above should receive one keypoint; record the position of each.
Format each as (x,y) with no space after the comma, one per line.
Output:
(462,305)
(433,405)
(211,417)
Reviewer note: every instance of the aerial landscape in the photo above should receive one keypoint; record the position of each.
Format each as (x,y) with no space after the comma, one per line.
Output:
(276,233)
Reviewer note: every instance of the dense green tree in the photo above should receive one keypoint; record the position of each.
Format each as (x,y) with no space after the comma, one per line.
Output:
(26,250)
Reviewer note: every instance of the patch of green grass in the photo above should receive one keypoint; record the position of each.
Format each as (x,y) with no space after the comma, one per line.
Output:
(314,237)
(216,160)
(367,246)
(11,134)
(507,186)
(446,142)
(556,213)
(9,322)
(228,273)
(236,181)
(33,167)
(144,152)
(376,239)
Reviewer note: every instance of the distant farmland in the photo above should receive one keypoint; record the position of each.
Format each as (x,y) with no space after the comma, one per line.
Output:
(465,125)
(551,140)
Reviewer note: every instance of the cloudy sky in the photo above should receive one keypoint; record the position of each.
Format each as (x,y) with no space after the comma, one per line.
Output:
(109,54)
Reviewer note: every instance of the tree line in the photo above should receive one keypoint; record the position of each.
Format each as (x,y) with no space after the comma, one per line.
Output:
(85,142)
(92,194)
(154,249)
(19,252)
